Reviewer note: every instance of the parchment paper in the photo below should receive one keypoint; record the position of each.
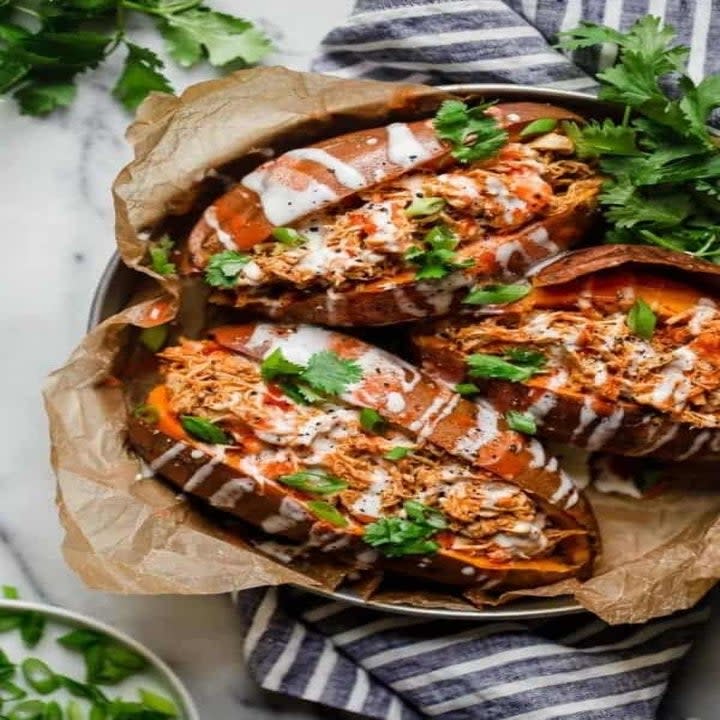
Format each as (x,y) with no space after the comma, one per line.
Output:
(130,534)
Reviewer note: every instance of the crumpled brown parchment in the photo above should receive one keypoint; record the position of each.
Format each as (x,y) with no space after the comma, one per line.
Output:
(129,534)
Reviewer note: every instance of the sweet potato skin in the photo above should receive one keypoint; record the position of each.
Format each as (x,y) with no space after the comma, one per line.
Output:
(429,409)
(592,422)
(402,298)
(240,218)
(278,508)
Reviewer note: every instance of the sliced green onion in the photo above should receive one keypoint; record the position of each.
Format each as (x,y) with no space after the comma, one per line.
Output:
(158,703)
(53,711)
(539,127)
(10,691)
(521,422)
(497,294)
(146,412)
(74,711)
(420,207)
(32,628)
(28,710)
(371,420)
(491,366)
(80,639)
(10,620)
(326,511)
(39,676)
(398,452)
(641,319)
(317,482)
(205,430)
(153,338)
(288,236)
(467,389)
(10,593)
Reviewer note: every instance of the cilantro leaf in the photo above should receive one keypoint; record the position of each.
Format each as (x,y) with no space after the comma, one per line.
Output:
(40,62)
(222,38)
(205,430)
(412,535)
(587,34)
(466,389)
(139,77)
(160,256)
(40,99)
(276,365)
(697,104)
(641,319)
(224,267)
(471,133)
(594,138)
(424,206)
(665,210)
(437,258)
(329,373)
(521,422)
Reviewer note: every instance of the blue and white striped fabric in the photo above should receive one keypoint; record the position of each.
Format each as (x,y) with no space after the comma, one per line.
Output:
(393,667)
(510,41)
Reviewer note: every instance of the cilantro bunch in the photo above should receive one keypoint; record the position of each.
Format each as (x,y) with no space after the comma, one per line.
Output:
(410,535)
(46,44)
(662,162)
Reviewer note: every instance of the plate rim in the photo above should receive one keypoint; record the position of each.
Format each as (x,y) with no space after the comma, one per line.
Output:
(72,617)
(562,605)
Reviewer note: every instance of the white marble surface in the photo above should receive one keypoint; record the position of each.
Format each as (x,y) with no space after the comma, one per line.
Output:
(55,209)
(55,212)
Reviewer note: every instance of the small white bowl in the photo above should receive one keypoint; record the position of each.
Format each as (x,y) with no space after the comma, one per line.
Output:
(159,677)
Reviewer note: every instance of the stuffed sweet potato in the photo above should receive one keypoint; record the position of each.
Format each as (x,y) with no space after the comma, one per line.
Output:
(387,225)
(345,449)
(613,348)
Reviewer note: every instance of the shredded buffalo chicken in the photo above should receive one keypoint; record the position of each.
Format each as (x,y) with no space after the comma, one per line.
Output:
(521,184)
(676,371)
(275,436)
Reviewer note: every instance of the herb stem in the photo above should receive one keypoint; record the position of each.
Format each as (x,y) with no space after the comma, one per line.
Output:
(626,116)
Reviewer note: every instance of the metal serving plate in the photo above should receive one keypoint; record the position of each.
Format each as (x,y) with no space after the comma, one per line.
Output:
(117,282)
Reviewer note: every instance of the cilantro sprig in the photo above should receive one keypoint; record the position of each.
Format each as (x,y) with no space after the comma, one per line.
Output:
(326,374)
(436,257)
(410,535)
(662,163)
(46,44)
(224,267)
(472,134)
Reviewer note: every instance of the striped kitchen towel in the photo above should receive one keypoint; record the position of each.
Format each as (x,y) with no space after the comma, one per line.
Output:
(394,667)
(509,41)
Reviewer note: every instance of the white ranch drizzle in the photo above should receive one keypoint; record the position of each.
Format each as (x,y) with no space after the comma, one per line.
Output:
(484,432)
(538,454)
(283,204)
(289,513)
(228,495)
(346,174)
(660,440)
(278,551)
(543,405)
(504,253)
(701,438)
(587,415)
(541,237)
(404,149)
(704,311)
(715,442)
(675,385)
(608,481)
(225,238)
(437,404)
(202,473)
(395,402)
(405,303)
(370,502)
(167,456)
(605,430)
(332,303)
(564,488)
